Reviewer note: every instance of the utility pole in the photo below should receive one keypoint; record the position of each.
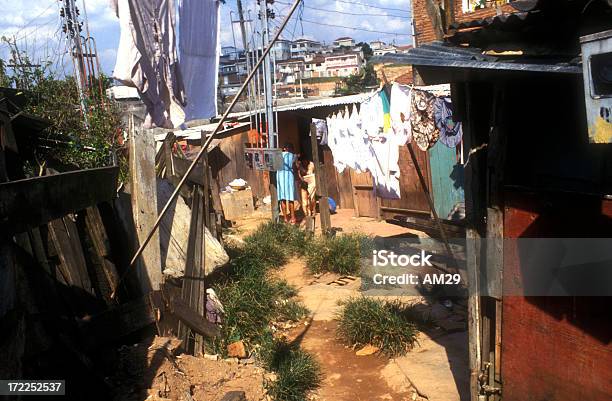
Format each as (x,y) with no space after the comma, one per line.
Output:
(83,53)
(270,123)
(265,35)
(245,46)
(72,28)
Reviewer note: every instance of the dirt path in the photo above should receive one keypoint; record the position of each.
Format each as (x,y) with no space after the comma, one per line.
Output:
(438,366)
(347,377)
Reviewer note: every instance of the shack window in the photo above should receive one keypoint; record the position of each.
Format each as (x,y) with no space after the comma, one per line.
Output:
(601,75)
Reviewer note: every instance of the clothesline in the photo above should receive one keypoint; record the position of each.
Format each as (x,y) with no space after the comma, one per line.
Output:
(368,138)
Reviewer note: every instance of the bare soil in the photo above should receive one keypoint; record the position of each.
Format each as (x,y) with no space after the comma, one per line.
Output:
(150,371)
(347,377)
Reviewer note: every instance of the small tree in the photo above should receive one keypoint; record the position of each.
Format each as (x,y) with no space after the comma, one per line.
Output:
(358,83)
(70,142)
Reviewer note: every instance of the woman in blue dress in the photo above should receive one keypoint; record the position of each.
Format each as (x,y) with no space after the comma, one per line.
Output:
(285,184)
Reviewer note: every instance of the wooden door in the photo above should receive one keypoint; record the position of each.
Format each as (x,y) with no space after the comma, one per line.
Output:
(363,195)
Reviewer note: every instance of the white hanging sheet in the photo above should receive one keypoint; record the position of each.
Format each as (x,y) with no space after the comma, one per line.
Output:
(147,58)
(199,49)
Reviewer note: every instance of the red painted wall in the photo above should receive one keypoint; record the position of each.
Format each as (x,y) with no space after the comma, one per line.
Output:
(555,348)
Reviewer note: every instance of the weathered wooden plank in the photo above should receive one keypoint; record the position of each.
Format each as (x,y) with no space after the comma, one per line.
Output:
(194,320)
(64,235)
(144,205)
(193,290)
(101,244)
(36,201)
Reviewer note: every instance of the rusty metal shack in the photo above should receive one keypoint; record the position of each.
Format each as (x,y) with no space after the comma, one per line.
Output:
(517,85)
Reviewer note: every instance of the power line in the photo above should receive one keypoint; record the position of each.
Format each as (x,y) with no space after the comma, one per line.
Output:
(24,26)
(355,28)
(373,6)
(349,13)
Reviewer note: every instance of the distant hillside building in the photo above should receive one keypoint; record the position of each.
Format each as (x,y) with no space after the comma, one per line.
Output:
(344,41)
(301,47)
(343,65)
(377,44)
(385,49)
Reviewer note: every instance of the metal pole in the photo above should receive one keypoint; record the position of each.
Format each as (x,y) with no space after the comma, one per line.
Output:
(207,142)
(265,34)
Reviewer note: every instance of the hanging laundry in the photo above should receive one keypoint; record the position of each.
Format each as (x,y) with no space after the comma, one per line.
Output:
(385,165)
(321,127)
(400,112)
(372,115)
(386,106)
(147,58)
(334,141)
(199,48)
(346,129)
(359,142)
(424,130)
(451,132)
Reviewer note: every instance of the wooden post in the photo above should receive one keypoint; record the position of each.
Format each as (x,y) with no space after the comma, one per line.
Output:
(496,158)
(274,197)
(320,182)
(144,204)
(473,251)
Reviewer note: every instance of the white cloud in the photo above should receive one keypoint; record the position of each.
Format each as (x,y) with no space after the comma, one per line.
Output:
(36,23)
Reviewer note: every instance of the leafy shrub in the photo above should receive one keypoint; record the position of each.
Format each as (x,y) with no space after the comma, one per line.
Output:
(341,254)
(383,324)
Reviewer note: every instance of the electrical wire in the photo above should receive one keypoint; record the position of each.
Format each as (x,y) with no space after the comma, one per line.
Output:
(373,6)
(27,24)
(356,29)
(350,13)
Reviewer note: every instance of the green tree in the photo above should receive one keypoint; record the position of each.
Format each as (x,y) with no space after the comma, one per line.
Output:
(366,49)
(358,83)
(75,139)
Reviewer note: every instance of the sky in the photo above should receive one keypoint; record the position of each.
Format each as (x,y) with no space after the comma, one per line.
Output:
(36,25)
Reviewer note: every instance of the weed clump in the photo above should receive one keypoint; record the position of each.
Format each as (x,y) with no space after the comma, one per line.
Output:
(340,254)
(251,296)
(297,371)
(386,325)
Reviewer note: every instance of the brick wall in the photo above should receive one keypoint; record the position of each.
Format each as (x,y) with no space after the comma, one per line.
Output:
(424,28)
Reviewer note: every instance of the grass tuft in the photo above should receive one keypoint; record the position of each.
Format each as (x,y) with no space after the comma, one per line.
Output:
(297,371)
(291,310)
(386,325)
(340,254)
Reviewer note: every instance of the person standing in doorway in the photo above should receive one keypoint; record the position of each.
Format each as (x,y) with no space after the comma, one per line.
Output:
(285,184)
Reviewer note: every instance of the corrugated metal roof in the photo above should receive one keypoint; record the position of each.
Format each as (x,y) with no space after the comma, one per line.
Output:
(438,54)
(326,102)
(195,133)
(495,21)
